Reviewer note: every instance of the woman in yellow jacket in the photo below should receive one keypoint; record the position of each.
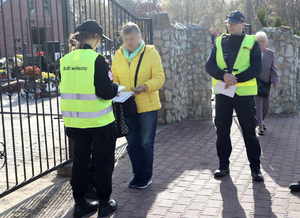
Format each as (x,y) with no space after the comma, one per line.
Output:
(151,77)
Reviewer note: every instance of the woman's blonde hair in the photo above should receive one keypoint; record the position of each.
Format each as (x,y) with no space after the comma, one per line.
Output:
(130,27)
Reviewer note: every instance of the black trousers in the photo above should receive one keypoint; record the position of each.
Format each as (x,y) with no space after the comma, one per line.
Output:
(245,110)
(100,143)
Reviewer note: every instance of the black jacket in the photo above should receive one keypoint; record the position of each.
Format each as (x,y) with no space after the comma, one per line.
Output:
(231,45)
(105,88)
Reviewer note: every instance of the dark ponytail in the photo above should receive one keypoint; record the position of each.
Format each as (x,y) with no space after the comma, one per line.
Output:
(78,39)
(73,43)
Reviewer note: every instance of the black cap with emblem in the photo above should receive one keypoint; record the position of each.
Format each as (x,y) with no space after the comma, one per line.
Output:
(91,26)
(235,17)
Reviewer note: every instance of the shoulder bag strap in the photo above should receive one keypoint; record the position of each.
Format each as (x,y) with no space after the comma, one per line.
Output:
(138,67)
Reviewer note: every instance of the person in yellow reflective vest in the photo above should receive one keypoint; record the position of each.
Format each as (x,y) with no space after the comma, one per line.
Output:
(236,61)
(86,105)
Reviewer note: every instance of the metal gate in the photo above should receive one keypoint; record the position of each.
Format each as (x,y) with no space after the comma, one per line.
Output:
(34,35)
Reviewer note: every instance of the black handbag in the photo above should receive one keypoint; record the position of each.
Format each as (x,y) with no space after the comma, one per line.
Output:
(129,106)
(121,129)
(263,88)
(126,109)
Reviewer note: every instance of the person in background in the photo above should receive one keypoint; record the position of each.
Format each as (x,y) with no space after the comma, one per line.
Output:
(268,77)
(213,35)
(86,106)
(151,77)
(236,61)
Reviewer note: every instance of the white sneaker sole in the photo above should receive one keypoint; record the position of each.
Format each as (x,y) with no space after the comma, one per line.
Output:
(145,186)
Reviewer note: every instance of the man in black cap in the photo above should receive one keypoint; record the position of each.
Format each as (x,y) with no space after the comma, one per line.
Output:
(86,105)
(235,62)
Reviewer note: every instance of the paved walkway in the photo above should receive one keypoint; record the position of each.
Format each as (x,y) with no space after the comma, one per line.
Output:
(183,183)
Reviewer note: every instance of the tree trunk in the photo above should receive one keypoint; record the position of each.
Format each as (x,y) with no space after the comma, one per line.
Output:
(251,16)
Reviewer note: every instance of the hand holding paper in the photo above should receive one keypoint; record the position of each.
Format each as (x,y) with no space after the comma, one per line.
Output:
(229,79)
(121,88)
(140,89)
(122,97)
(224,89)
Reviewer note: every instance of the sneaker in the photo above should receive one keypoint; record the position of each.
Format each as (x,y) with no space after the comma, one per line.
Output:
(261,131)
(257,176)
(140,186)
(85,208)
(295,187)
(133,182)
(264,127)
(108,209)
(220,173)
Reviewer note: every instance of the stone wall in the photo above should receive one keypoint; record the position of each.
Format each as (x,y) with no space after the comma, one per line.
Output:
(184,50)
(297,62)
(286,97)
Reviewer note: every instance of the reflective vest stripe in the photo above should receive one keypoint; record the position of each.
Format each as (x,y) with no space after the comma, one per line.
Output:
(75,114)
(70,96)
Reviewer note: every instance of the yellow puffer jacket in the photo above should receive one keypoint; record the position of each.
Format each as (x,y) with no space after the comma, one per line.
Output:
(151,74)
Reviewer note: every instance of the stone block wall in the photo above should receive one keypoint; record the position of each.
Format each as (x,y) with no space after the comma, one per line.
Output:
(297,68)
(286,97)
(184,50)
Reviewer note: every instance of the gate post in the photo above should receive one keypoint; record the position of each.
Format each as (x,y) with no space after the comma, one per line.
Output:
(65,7)
(66,171)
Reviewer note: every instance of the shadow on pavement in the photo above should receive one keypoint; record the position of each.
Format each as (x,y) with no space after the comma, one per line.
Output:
(182,153)
(50,202)
(185,157)
(280,150)
(231,204)
(262,201)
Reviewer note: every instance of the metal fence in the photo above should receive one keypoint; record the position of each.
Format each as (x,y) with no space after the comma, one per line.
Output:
(111,15)
(34,35)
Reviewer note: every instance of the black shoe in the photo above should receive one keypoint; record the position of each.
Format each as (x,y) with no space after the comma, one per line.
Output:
(133,182)
(92,195)
(261,131)
(295,187)
(220,173)
(107,209)
(257,176)
(85,208)
(140,185)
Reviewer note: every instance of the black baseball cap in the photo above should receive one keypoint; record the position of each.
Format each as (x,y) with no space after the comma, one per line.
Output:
(91,26)
(235,17)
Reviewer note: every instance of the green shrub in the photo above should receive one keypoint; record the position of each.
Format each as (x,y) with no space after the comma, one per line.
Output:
(262,16)
(278,22)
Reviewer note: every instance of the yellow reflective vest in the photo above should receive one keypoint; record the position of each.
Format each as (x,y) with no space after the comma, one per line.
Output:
(80,106)
(241,64)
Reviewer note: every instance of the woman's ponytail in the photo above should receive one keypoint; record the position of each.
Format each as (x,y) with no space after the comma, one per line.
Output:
(73,42)
(78,39)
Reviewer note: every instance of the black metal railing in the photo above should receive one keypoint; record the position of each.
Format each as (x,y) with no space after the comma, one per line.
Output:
(34,35)
(111,15)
